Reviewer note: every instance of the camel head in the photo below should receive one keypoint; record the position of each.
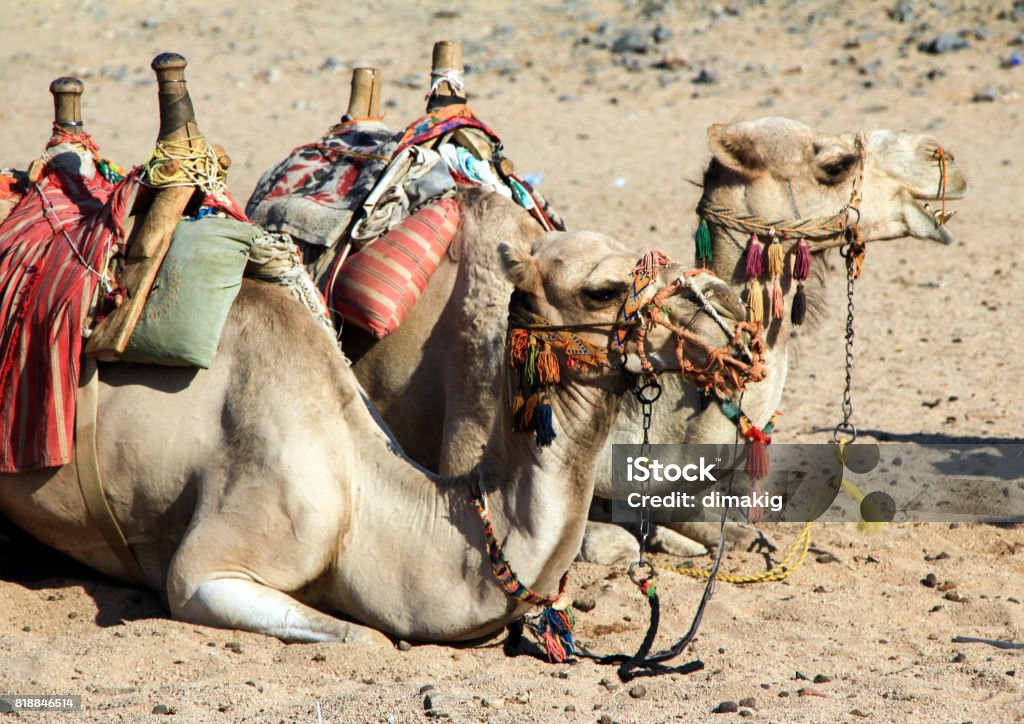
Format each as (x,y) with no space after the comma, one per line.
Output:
(583,280)
(890,184)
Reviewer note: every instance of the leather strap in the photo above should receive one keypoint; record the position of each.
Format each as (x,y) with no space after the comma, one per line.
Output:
(88,465)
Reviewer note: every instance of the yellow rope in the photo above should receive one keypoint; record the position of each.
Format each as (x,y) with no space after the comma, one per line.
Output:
(188,162)
(792,562)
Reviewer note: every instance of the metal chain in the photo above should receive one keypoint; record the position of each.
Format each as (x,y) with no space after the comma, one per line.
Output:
(846,429)
(646,394)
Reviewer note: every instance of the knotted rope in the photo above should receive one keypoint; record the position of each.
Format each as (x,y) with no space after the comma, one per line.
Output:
(186,162)
(106,168)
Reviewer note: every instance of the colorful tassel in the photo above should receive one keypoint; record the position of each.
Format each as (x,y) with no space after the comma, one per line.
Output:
(544,423)
(555,628)
(777,302)
(801,261)
(755,302)
(776,258)
(703,239)
(528,412)
(757,461)
(799,310)
(547,366)
(518,402)
(530,365)
(517,344)
(755,258)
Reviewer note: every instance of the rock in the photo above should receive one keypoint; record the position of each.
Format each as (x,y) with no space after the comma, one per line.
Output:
(959,658)
(331,63)
(162,709)
(606,719)
(666,540)
(726,707)
(955,597)
(947,586)
(903,12)
(798,676)
(432,700)
(607,544)
(930,581)
(943,43)
(822,679)
(638,692)
(404,646)
(746,713)
(570,708)
(988,94)
(663,33)
(706,77)
(749,702)
(234,646)
(319,658)
(496,703)
(826,558)
(633,40)
(858,712)
(425,688)
(783,694)
(585,604)
(811,691)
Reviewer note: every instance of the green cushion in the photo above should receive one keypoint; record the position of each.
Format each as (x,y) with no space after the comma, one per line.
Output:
(197,282)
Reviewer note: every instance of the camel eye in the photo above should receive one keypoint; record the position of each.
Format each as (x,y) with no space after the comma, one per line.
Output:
(605,294)
(834,170)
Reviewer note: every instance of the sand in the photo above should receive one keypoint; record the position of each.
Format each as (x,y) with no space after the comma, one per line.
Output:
(619,143)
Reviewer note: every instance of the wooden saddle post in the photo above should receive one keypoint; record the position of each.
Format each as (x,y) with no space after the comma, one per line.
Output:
(446,87)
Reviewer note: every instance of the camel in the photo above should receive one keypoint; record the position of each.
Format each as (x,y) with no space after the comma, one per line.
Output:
(263,495)
(438,395)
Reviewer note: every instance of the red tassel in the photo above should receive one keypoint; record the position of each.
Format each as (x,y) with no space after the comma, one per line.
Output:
(778,303)
(758,461)
(801,261)
(755,258)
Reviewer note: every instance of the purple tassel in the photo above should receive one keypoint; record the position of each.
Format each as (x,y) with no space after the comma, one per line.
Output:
(755,258)
(802,261)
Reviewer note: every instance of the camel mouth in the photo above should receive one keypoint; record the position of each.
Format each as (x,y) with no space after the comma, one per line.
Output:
(933,217)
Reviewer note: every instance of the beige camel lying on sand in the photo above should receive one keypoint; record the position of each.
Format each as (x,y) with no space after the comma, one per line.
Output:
(262,492)
(433,378)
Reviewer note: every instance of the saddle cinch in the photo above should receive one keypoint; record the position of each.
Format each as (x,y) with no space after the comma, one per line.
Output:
(100,264)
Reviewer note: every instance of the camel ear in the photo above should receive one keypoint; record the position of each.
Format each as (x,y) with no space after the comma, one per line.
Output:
(520,268)
(734,149)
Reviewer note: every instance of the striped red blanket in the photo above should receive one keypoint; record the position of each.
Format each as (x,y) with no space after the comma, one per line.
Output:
(51,247)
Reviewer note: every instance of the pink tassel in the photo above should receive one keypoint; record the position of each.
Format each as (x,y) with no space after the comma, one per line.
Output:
(651,262)
(757,462)
(755,258)
(778,303)
(802,261)
(755,513)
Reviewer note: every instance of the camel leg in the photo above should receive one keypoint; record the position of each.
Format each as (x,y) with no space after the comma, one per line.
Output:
(244,604)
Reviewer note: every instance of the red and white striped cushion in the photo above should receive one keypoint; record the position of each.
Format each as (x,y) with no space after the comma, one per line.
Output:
(378,286)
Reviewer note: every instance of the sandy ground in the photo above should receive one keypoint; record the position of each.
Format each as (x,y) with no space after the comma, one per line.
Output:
(618,142)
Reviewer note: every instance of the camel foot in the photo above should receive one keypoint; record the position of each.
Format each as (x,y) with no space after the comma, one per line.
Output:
(666,540)
(707,533)
(607,544)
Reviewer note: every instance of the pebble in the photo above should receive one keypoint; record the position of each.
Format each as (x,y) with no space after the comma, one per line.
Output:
(930,581)
(726,707)
(988,94)
(606,719)
(319,658)
(425,688)
(940,556)
(161,709)
(858,712)
(432,700)
(588,603)
(330,63)
(811,691)
(826,558)
(959,658)
(783,694)
(404,645)
(947,586)
(706,77)
(822,679)
(903,12)
(496,703)
(798,676)
(749,702)
(746,713)
(638,692)
(234,646)
(570,708)
(943,43)
(663,34)
(955,597)
(633,40)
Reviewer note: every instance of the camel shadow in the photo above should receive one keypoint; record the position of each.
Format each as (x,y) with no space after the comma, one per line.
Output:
(28,563)
(930,438)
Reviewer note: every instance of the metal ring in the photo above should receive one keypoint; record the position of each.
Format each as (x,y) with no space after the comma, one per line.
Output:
(845,427)
(640,564)
(644,399)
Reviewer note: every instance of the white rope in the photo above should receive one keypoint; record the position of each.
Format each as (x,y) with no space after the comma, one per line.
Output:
(452,76)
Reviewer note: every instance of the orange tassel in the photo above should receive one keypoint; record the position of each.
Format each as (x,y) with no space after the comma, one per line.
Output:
(547,366)
(755,302)
(518,402)
(517,348)
(778,303)
(529,408)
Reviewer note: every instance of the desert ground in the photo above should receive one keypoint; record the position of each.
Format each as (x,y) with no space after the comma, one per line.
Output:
(610,102)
